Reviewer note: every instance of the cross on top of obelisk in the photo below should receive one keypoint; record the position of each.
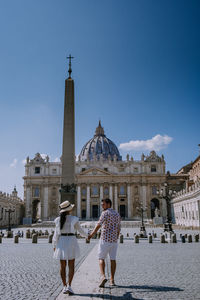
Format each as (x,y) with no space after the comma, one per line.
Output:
(70,65)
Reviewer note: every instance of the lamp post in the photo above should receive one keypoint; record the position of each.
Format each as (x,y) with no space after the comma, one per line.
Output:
(167,194)
(143,232)
(9,211)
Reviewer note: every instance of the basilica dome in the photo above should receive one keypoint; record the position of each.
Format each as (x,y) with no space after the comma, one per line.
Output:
(99,147)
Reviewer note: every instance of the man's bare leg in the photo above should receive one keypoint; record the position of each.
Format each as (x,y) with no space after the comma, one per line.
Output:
(113,269)
(102,271)
(63,271)
(102,267)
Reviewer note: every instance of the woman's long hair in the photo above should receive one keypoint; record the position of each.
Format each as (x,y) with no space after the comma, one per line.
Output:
(63,218)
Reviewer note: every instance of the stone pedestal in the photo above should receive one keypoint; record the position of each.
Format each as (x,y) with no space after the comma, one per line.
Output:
(143,233)
(158,220)
(9,234)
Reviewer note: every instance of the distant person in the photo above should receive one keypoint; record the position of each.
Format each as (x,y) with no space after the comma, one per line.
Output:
(110,224)
(65,244)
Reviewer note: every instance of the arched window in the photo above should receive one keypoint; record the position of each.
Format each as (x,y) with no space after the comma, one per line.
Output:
(122,190)
(154,190)
(83,191)
(106,191)
(95,190)
(36,192)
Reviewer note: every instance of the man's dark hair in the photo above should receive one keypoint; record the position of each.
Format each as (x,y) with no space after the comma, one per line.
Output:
(108,201)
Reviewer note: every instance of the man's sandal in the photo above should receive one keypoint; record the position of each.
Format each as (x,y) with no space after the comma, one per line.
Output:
(111,283)
(102,282)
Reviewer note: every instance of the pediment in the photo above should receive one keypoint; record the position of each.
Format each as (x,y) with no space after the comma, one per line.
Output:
(37,159)
(95,172)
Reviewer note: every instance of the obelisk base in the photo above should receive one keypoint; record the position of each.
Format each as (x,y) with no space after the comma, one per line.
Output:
(68,192)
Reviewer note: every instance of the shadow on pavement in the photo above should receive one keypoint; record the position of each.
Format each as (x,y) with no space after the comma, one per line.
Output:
(150,288)
(128,295)
(107,296)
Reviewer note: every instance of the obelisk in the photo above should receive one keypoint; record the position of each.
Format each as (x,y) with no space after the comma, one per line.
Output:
(68,188)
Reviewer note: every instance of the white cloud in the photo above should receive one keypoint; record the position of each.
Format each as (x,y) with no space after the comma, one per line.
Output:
(24,161)
(156,143)
(44,155)
(14,163)
(57,159)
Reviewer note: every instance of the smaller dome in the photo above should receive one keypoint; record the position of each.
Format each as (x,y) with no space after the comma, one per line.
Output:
(100,147)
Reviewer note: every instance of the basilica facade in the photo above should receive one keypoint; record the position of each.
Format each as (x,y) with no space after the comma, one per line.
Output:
(11,204)
(100,172)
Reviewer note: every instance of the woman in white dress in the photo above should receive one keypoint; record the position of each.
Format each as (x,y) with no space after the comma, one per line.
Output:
(65,244)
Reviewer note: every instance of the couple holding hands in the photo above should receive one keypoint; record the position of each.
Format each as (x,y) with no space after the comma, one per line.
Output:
(66,247)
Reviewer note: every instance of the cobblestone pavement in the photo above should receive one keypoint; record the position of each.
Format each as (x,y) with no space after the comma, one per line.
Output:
(144,271)
(29,272)
(156,271)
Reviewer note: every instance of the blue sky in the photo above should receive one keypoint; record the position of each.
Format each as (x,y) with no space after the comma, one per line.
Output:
(136,68)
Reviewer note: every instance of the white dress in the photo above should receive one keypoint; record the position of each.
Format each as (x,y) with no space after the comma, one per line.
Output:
(67,247)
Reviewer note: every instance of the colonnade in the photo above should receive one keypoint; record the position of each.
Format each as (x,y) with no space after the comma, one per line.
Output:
(113,195)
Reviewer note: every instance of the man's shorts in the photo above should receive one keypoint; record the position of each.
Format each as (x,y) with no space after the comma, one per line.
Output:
(106,248)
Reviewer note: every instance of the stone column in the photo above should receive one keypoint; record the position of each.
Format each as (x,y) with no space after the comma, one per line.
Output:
(101,197)
(129,200)
(111,193)
(116,198)
(46,204)
(88,203)
(78,201)
(28,202)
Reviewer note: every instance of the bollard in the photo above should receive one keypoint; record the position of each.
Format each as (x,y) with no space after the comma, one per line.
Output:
(50,238)
(87,241)
(127,234)
(136,239)
(162,238)
(155,235)
(186,235)
(183,239)
(180,235)
(28,234)
(16,239)
(34,238)
(189,238)
(173,238)
(150,239)
(0,239)
(121,238)
(197,237)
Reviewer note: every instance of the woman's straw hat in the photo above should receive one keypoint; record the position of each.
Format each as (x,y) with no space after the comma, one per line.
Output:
(66,206)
